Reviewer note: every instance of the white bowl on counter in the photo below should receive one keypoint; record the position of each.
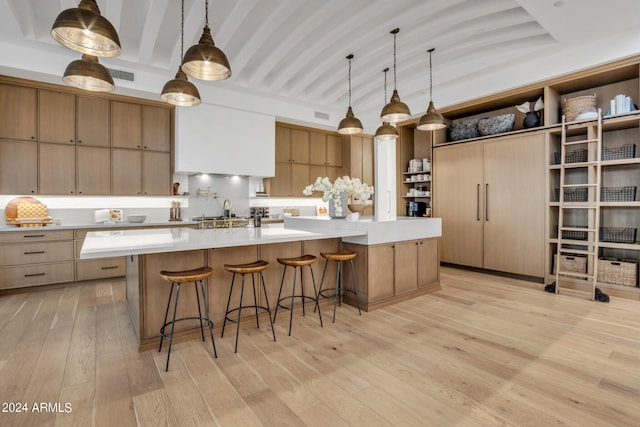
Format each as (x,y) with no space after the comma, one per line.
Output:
(136,218)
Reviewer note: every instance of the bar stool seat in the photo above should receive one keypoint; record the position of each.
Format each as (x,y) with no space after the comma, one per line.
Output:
(297,263)
(256,267)
(176,278)
(340,257)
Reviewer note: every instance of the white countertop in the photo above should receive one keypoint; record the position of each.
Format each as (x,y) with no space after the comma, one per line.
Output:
(100,225)
(373,232)
(114,243)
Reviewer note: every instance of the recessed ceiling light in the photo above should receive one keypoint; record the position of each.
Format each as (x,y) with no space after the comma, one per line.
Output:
(559,3)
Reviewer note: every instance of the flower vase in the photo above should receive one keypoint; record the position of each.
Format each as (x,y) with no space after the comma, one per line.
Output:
(357,207)
(343,204)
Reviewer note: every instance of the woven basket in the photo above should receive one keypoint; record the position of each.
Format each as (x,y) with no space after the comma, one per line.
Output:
(570,263)
(574,106)
(618,272)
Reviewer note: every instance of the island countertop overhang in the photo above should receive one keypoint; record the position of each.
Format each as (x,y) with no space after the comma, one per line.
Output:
(116,243)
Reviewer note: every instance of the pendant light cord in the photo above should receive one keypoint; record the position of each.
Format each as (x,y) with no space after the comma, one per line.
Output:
(385,71)
(430,76)
(394,59)
(206,13)
(182,33)
(349,77)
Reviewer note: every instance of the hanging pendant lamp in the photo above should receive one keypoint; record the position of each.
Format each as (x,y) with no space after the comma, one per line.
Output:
(431,120)
(85,30)
(180,91)
(204,60)
(395,110)
(386,131)
(350,125)
(88,74)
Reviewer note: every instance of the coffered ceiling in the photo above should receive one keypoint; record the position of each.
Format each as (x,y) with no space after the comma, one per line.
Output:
(294,50)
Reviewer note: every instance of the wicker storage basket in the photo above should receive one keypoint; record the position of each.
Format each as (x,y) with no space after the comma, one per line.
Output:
(619,272)
(574,106)
(570,263)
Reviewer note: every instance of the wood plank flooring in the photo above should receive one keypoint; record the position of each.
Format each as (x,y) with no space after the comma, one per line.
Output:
(483,351)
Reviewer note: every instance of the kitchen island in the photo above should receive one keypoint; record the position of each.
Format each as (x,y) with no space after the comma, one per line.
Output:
(150,251)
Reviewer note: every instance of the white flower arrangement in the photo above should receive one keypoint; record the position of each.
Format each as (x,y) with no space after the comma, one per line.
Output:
(352,186)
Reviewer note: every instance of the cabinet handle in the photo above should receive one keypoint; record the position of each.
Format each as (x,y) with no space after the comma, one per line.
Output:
(34,274)
(478,203)
(71,140)
(79,141)
(486,202)
(30,236)
(110,267)
(34,252)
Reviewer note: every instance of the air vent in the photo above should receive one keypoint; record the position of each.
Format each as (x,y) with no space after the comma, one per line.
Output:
(320,115)
(122,75)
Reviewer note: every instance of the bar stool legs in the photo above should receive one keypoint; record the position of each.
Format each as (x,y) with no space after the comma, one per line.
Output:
(176,278)
(340,257)
(255,268)
(297,264)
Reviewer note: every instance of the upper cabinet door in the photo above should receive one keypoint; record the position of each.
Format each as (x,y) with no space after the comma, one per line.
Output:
(18,167)
(57,116)
(283,144)
(126,125)
(156,128)
(299,146)
(317,148)
(334,150)
(92,121)
(18,115)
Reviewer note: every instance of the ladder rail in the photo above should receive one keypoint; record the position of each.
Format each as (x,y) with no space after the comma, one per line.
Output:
(591,206)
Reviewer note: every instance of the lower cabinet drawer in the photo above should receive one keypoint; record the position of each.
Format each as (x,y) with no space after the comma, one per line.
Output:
(100,268)
(35,253)
(33,275)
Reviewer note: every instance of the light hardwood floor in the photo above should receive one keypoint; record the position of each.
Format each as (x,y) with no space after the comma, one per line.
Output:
(483,351)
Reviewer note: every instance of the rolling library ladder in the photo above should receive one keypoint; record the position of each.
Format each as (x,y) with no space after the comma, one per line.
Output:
(580,199)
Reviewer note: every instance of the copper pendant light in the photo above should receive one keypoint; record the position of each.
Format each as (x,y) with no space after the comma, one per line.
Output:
(350,125)
(204,60)
(180,91)
(386,131)
(431,120)
(395,110)
(85,30)
(88,74)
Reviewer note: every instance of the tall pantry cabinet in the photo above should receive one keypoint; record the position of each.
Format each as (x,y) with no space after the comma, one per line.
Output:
(490,196)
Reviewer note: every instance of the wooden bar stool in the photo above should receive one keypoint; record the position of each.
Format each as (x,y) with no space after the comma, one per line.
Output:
(253,268)
(297,263)
(176,278)
(340,257)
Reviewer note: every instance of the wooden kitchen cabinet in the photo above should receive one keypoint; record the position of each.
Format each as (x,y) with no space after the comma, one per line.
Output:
(33,258)
(93,170)
(18,112)
(137,172)
(156,128)
(18,167)
(325,149)
(56,116)
(126,172)
(93,121)
(490,196)
(292,163)
(126,125)
(156,173)
(56,169)
(393,271)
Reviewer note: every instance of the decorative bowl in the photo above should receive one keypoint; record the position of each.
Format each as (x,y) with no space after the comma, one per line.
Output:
(357,207)
(136,218)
